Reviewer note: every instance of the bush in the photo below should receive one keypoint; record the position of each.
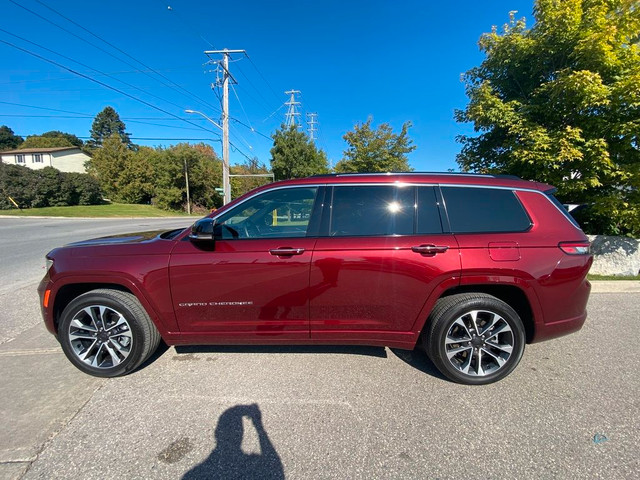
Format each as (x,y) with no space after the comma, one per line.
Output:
(47,187)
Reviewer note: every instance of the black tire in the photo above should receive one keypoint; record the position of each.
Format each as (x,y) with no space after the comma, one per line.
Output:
(482,354)
(112,333)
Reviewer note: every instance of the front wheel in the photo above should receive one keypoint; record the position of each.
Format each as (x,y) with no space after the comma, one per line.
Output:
(474,338)
(107,333)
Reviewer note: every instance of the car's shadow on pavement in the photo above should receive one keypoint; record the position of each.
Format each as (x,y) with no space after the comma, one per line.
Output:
(416,358)
(312,349)
(419,360)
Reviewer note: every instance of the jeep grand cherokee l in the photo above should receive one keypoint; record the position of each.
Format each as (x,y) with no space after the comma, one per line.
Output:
(469,267)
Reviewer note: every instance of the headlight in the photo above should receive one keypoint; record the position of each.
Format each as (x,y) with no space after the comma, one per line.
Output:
(48,265)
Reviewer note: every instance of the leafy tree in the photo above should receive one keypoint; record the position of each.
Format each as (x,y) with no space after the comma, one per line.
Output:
(241,185)
(294,155)
(40,141)
(109,164)
(378,150)
(8,139)
(560,103)
(70,137)
(107,123)
(135,182)
(205,174)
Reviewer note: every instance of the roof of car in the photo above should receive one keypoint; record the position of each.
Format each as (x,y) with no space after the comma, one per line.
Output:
(442,178)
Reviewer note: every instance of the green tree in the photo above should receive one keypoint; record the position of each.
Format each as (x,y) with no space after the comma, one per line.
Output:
(70,137)
(241,185)
(378,150)
(205,174)
(8,139)
(293,155)
(135,183)
(107,123)
(109,163)
(560,103)
(52,139)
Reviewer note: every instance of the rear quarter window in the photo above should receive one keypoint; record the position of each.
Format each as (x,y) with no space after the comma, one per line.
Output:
(484,210)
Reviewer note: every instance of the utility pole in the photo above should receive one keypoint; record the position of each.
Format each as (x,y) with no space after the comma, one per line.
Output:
(312,121)
(292,112)
(226,75)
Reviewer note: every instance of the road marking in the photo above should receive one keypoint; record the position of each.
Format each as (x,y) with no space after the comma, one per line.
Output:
(39,351)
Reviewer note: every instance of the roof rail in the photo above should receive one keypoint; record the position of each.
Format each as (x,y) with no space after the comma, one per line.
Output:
(487,175)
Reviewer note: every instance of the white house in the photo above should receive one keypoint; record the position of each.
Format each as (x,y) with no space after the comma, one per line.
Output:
(65,159)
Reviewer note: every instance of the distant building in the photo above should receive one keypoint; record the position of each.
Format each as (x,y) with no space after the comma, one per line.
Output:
(65,159)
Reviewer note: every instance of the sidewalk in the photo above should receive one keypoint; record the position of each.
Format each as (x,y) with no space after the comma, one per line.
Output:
(615,286)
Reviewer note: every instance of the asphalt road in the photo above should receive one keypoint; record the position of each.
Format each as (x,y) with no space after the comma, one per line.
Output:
(312,412)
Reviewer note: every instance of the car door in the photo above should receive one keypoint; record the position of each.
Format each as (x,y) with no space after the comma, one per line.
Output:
(254,282)
(383,254)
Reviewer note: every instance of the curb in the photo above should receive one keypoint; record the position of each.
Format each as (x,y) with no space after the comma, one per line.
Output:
(615,286)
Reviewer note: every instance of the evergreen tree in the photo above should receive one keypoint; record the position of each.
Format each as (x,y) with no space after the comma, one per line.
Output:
(107,123)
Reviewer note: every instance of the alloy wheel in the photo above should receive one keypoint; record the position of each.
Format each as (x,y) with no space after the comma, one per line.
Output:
(100,336)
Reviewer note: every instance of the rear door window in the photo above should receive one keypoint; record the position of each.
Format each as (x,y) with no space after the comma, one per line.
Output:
(479,210)
(372,211)
(428,215)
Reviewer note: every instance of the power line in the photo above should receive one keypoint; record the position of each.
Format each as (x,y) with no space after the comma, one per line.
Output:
(264,105)
(193,95)
(250,128)
(81,117)
(263,78)
(59,65)
(189,27)
(97,46)
(241,106)
(90,68)
(153,138)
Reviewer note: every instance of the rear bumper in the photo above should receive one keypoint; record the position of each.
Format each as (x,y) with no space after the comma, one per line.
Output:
(547,331)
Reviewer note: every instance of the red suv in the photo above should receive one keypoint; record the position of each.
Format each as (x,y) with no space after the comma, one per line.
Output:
(470,267)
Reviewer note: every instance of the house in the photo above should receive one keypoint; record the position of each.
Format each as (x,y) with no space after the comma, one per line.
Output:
(65,159)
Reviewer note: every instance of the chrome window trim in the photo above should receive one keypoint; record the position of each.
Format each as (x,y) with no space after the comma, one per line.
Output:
(398,183)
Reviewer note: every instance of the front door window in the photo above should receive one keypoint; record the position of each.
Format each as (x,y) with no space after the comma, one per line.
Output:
(282,213)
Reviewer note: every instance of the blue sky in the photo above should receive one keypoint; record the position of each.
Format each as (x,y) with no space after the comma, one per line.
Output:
(395,61)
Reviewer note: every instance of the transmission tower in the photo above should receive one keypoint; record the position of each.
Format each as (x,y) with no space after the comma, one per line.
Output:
(292,111)
(312,122)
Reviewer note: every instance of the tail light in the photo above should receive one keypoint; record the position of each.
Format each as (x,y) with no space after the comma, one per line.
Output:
(575,248)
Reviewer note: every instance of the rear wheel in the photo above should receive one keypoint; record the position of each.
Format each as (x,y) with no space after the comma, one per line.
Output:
(474,338)
(107,333)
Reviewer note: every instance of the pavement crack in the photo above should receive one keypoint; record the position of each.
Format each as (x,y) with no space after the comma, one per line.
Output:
(61,428)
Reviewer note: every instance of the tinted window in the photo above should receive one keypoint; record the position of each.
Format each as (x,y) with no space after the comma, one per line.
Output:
(278,213)
(359,211)
(484,210)
(428,212)
(563,209)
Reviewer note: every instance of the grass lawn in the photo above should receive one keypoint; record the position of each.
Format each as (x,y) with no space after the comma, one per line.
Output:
(613,277)
(104,211)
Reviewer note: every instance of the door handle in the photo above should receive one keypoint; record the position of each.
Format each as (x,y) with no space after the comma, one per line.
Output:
(429,249)
(286,251)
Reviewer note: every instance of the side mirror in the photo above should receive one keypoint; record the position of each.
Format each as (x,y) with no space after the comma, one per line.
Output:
(202,231)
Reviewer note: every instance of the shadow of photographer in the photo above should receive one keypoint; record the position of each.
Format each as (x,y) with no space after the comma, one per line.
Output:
(228,461)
